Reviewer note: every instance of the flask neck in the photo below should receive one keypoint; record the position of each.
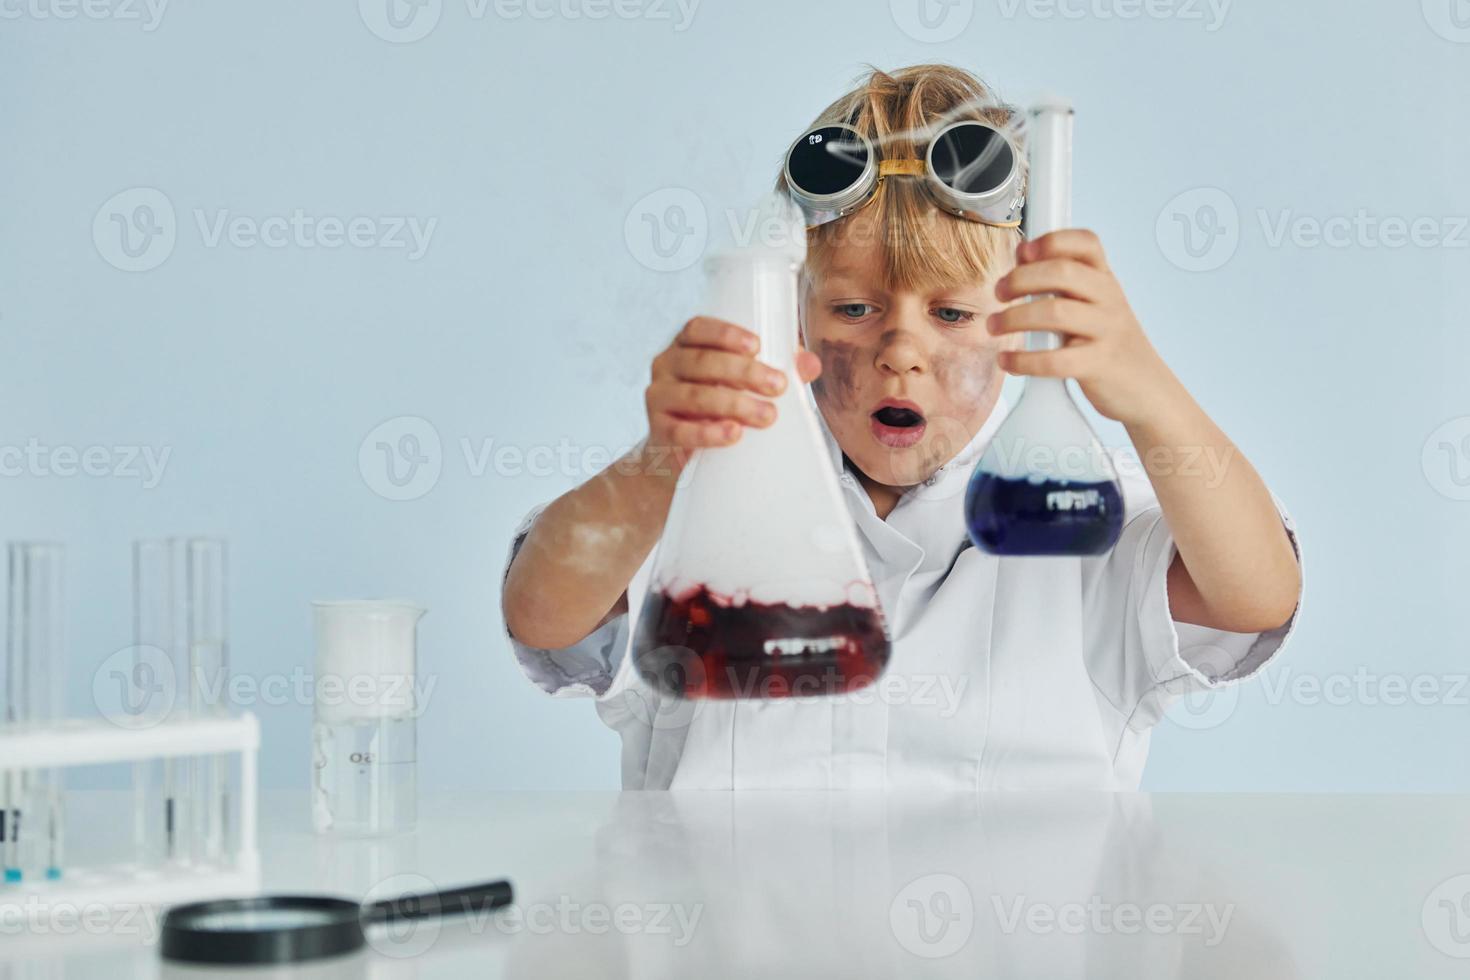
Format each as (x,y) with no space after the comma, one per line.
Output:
(761,293)
(1046,394)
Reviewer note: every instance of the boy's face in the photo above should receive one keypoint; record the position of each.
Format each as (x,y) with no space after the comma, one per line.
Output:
(907,378)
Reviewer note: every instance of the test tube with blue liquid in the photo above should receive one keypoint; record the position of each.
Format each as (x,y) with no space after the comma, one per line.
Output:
(1045,485)
(32,835)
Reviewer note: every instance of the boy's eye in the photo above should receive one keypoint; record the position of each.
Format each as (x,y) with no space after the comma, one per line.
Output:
(852,311)
(951,315)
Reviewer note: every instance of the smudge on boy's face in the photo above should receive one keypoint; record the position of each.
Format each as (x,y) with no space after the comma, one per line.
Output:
(837,385)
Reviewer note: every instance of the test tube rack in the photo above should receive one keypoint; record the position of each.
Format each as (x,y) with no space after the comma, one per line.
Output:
(100,742)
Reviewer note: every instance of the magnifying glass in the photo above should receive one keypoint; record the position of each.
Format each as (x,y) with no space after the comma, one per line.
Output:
(292,928)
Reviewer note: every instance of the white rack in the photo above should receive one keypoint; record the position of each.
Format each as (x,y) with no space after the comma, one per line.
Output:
(85,743)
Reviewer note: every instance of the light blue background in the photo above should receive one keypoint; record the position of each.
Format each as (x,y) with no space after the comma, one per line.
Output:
(530,320)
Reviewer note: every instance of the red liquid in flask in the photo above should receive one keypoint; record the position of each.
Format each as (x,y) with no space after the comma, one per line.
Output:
(703,646)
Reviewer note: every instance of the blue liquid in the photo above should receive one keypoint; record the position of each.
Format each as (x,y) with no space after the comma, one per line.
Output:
(1050,517)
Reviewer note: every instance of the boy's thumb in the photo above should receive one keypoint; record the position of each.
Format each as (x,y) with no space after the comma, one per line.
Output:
(808,366)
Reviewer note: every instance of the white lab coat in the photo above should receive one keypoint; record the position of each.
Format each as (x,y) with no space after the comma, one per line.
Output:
(1027,673)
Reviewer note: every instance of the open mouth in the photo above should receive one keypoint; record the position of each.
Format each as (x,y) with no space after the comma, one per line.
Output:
(898,426)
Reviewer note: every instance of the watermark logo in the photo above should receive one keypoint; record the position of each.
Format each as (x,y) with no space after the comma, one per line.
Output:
(1363,230)
(135,230)
(1446,459)
(407,21)
(1450,19)
(1446,917)
(1200,710)
(35,458)
(136,687)
(1210,13)
(933,916)
(667,230)
(401,459)
(400,21)
(932,21)
(1099,917)
(1199,230)
(149,13)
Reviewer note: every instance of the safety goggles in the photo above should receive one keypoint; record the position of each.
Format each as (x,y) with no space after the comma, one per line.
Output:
(970,169)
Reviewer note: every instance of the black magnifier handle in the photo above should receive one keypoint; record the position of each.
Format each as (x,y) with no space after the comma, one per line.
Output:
(451,901)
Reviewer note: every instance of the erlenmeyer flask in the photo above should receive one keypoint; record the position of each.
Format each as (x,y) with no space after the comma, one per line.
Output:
(759,589)
(1044,485)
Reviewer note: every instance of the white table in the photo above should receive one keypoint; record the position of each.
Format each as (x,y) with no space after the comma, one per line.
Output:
(863,885)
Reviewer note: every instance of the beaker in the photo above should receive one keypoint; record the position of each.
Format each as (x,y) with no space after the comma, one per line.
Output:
(364,738)
(35,665)
(1045,485)
(759,588)
(181,669)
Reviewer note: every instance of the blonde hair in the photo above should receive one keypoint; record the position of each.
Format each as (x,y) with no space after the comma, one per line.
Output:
(923,247)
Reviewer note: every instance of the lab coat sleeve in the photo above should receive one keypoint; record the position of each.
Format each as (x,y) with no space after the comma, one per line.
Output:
(584,669)
(1140,659)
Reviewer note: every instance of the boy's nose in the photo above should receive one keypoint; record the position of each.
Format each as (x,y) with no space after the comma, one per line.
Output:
(899,353)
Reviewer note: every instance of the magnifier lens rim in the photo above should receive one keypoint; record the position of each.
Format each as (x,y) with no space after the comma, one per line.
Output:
(336,928)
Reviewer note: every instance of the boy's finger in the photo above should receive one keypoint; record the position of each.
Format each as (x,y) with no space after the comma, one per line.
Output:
(1063,363)
(688,400)
(1065,277)
(705,331)
(1065,243)
(692,434)
(711,366)
(808,366)
(1051,313)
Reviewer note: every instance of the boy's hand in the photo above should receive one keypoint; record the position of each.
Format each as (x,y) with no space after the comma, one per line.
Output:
(1103,344)
(707,386)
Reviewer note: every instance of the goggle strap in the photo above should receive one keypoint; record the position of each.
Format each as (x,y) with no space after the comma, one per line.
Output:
(901,168)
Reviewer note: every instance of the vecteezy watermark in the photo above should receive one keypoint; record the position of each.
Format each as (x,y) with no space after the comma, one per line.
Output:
(138,687)
(561,915)
(1450,19)
(669,670)
(1445,459)
(147,13)
(933,916)
(1209,464)
(23,914)
(406,21)
(1203,708)
(37,459)
(1363,229)
(1360,687)
(1445,917)
(1209,13)
(667,230)
(1099,917)
(401,458)
(1200,230)
(932,21)
(137,229)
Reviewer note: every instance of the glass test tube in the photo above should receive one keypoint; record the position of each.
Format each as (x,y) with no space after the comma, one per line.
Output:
(180,626)
(35,669)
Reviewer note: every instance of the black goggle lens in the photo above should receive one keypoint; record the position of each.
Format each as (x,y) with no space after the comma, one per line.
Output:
(972,159)
(827,161)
